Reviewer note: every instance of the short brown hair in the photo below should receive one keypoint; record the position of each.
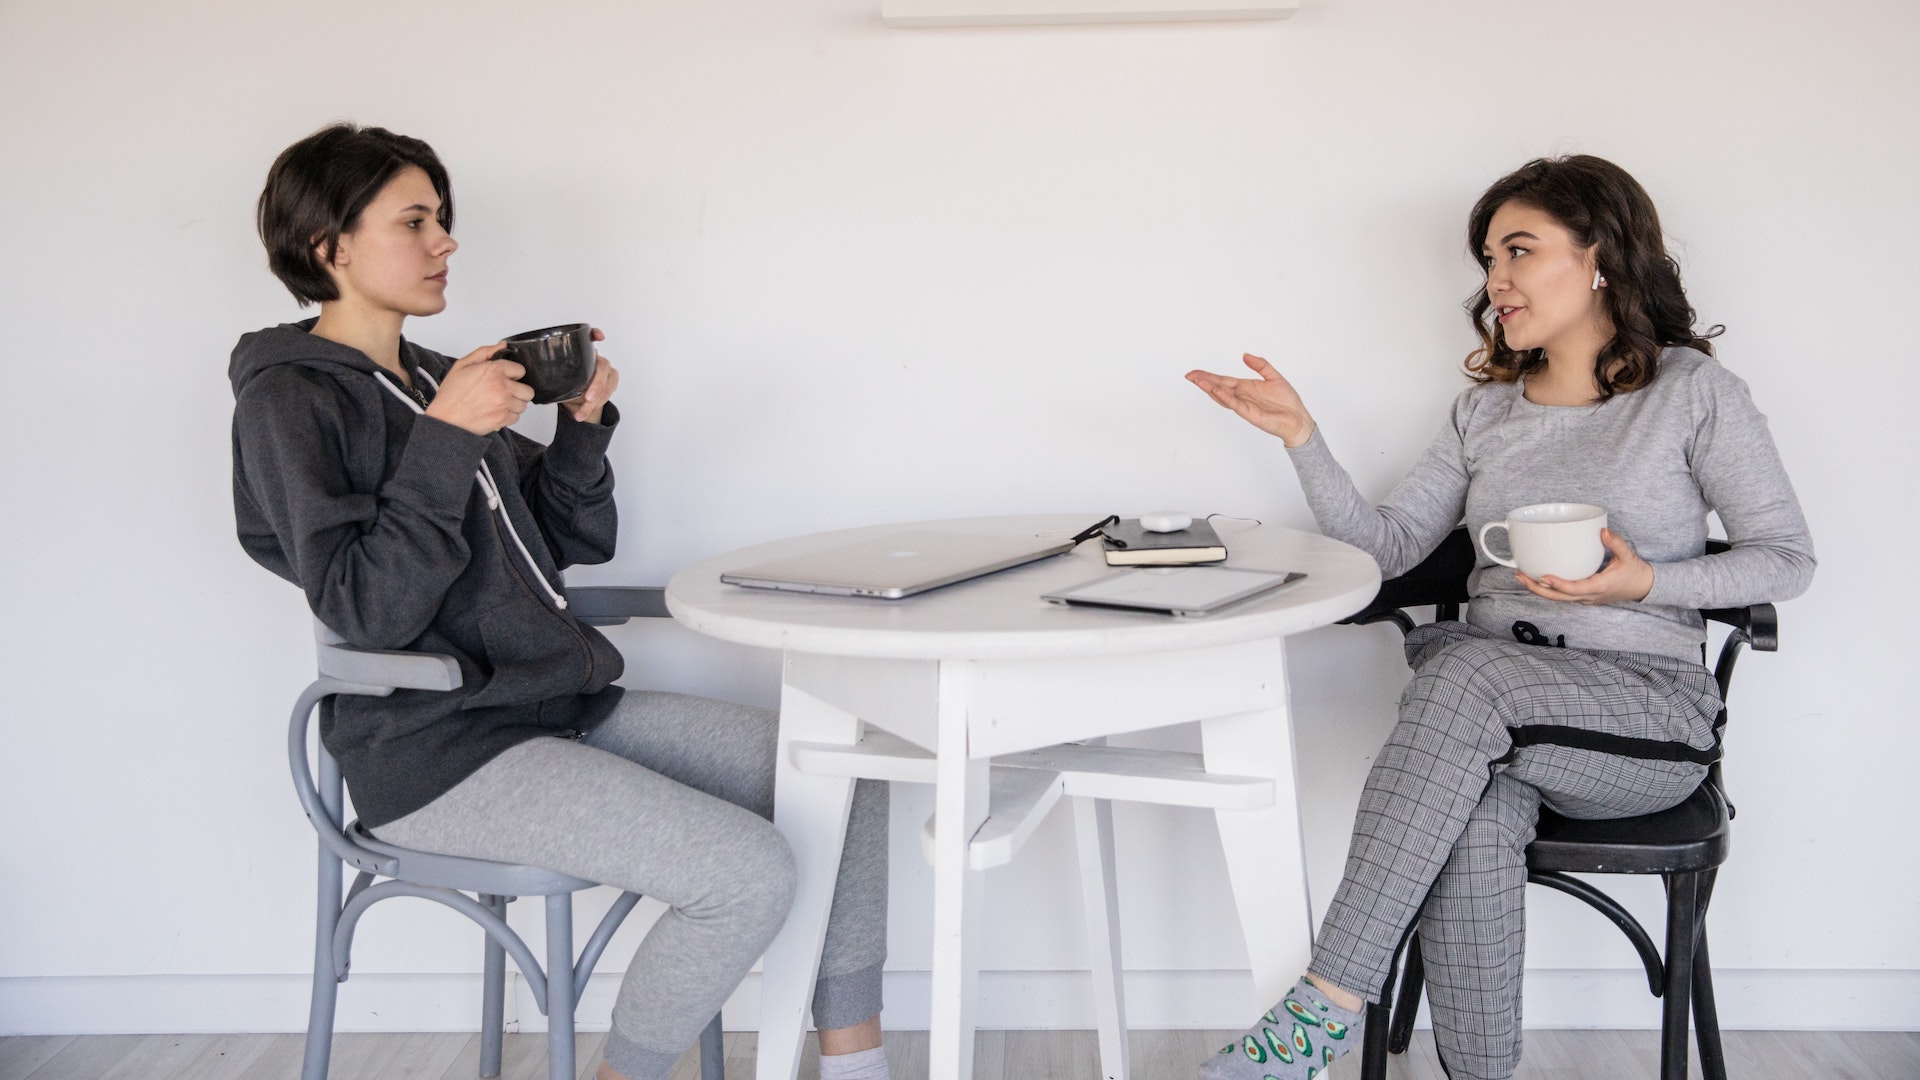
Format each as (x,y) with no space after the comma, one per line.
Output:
(1599,204)
(316,191)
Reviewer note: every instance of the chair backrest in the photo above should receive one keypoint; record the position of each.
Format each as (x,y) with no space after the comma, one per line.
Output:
(346,669)
(1440,581)
(611,605)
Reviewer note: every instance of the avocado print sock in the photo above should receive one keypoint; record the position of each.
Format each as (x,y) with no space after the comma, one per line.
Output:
(1296,1040)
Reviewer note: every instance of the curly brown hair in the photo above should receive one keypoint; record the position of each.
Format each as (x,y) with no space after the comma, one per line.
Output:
(1606,209)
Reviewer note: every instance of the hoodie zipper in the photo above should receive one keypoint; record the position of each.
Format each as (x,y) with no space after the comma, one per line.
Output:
(484,477)
(497,514)
(579,638)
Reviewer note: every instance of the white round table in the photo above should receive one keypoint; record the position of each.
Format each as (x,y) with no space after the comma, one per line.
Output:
(985,669)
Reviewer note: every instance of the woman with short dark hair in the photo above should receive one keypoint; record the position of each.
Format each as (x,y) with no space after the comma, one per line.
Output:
(1588,695)
(384,480)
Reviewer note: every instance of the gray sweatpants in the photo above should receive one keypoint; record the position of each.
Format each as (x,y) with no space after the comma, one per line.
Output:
(1451,804)
(671,797)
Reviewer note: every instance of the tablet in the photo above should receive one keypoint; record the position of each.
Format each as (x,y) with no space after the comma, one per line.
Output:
(1186,591)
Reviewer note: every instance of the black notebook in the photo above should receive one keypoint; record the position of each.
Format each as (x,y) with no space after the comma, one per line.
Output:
(1130,545)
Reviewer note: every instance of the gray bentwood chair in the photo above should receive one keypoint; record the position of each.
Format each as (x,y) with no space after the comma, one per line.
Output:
(387,871)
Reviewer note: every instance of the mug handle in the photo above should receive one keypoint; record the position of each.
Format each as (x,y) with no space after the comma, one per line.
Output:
(1489,551)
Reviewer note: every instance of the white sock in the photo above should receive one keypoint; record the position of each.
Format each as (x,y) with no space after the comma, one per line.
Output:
(859,1065)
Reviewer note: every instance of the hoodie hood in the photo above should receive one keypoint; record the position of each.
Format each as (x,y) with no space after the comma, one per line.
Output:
(293,343)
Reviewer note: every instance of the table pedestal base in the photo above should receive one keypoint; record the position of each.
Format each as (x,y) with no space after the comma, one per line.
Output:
(967,711)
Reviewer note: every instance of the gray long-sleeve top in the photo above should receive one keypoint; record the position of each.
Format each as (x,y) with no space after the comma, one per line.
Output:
(1658,459)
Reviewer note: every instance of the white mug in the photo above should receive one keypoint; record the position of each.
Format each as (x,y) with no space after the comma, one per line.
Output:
(1562,539)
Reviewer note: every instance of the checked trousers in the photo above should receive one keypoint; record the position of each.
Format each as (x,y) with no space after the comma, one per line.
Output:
(1451,804)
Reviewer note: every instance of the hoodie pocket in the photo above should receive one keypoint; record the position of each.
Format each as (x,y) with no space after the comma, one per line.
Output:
(528,660)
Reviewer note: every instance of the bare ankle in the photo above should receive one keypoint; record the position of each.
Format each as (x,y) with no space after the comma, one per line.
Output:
(1346,999)
(851,1040)
(608,1072)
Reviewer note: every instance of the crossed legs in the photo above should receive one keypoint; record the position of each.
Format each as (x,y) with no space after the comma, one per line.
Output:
(1450,806)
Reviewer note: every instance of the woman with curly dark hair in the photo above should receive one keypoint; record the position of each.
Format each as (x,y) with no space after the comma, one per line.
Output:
(1587,695)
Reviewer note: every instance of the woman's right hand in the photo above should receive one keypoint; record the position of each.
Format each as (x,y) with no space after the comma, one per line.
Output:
(1269,403)
(481,394)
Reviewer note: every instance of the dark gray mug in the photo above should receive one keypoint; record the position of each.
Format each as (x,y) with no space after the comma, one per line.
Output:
(559,360)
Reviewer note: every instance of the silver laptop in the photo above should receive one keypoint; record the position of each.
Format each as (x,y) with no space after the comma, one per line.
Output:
(898,564)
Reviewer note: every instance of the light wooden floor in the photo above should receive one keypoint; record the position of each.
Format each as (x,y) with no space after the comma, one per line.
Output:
(999,1055)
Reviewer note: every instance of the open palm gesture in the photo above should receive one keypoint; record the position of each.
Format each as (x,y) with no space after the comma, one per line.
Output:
(1269,403)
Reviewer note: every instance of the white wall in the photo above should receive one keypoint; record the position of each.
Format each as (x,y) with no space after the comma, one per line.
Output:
(854,274)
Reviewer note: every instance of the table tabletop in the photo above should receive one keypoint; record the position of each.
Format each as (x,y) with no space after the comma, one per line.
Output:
(1002,615)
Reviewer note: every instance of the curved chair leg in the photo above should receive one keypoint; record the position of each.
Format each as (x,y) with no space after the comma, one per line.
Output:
(326,984)
(1390,1029)
(713,1052)
(1406,1004)
(1373,1044)
(493,996)
(560,987)
(1683,925)
(1706,1017)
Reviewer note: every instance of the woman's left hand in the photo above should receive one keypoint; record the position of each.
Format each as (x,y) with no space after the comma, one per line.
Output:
(606,378)
(1626,578)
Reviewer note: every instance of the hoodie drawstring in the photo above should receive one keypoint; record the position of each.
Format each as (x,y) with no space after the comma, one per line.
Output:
(488,486)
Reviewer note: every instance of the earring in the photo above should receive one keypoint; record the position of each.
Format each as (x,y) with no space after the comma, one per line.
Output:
(1598,281)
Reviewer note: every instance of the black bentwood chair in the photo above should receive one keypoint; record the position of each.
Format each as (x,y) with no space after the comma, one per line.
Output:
(1684,845)
(388,871)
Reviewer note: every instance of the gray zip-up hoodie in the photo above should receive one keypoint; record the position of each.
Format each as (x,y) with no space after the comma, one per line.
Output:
(343,488)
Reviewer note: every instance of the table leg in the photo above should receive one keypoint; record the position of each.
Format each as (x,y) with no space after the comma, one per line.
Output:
(1266,853)
(1093,833)
(811,812)
(960,808)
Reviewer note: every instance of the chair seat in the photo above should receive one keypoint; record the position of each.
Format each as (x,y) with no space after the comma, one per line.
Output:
(468,875)
(1690,837)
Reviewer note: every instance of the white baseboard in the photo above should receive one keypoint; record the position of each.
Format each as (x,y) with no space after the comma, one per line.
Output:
(1617,998)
